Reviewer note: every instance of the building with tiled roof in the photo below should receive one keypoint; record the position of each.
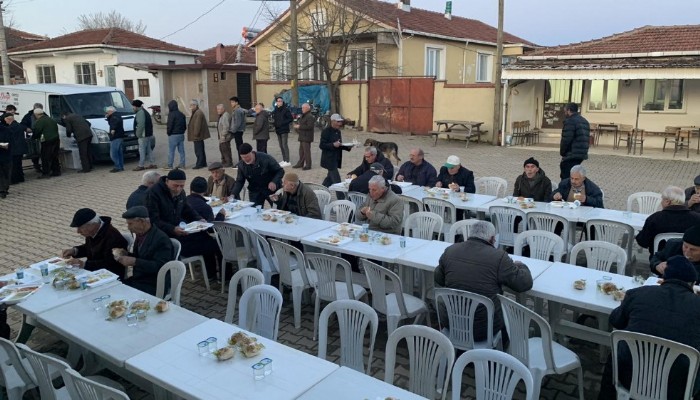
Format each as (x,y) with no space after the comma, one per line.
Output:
(17,38)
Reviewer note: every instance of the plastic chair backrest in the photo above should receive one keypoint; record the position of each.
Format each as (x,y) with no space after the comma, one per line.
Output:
(377,277)
(504,218)
(177,271)
(247,277)
(325,267)
(542,244)
(324,198)
(461,307)
(600,255)
(317,186)
(43,365)
(462,227)
(86,389)
(429,354)
(548,222)
(283,255)
(358,199)
(129,241)
(353,319)
(410,205)
(613,232)
(491,185)
(664,237)
(652,358)
(441,207)
(647,202)
(226,235)
(177,247)
(264,255)
(423,225)
(344,211)
(266,309)
(12,367)
(496,374)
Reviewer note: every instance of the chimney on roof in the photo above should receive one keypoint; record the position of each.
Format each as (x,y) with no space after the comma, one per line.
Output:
(448,10)
(239,53)
(219,53)
(405,5)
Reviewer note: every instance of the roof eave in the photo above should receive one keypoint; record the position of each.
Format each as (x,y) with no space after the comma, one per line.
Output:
(613,55)
(99,46)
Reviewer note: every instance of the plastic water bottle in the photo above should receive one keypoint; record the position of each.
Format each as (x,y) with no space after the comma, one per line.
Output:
(402,242)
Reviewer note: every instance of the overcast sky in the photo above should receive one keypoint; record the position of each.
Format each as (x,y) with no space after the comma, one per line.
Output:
(545,22)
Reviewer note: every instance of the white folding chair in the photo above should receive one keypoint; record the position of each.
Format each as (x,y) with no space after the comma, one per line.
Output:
(16,372)
(423,225)
(177,277)
(664,237)
(191,261)
(646,202)
(613,232)
(265,310)
(504,219)
(543,245)
(496,374)
(491,185)
(652,358)
(460,308)
(443,208)
(340,211)
(460,228)
(177,247)
(354,318)
(600,255)
(263,255)
(431,356)
(324,198)
(234,244)
(247,277)
(83,388)
(292,267)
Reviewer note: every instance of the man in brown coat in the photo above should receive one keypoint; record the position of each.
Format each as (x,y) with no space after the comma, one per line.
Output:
(261,128)
(198,132)
(305,128)
(297,198)
(219,183)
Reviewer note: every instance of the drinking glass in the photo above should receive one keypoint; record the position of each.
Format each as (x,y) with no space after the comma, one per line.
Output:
(132,319)
(141,315)
(258,371)
(20,273)
(96,303)
(203,348)
(267,363)
(211,343)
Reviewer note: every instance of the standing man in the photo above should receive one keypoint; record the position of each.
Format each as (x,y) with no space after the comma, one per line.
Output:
(332,150)
(223,125)
(261,128)
(282,117)
(28,122)
(198,132)
(46,130)
(143,127)
(575,137)
(305,129)
(18,144)
(417,170)
(5,159)
(116,137)
(79,127)
(175,129)
(263,173)
(238,122)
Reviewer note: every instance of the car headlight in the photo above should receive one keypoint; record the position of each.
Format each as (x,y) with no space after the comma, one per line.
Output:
(101,135)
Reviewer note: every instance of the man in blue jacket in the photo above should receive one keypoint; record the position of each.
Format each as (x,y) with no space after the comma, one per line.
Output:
(575,136)
(577,187)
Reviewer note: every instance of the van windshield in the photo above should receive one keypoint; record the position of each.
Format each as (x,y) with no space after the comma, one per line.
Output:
(92,105)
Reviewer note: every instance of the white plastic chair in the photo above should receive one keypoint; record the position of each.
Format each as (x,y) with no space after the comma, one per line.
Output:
(504,219)
(83,388)
(177,247)
(462,227)
(227,237)
(358,199)
(431,356)
(197,259)
(423,225)
(392,302)
(543,221)
(461,307)
(496,374)
(543,245)
(443,208)
(410,205)
(664,237)
(129,237)
(265,310)
(354,317)
(317,186)
(263,254)
(247,277)
(646,202)
(324,198)
(613,232)
(344,211)
(600,255)
(491,185)
(541,355)
(292,275)
(326,288)
(652,358)
(177,277)
(16,372)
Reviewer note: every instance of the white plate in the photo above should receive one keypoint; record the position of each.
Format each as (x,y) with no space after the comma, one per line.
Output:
(15,294)
(348,144)
(559,204)
(341,240)
(11,279)
(101,277)
(54,263)
(197,226)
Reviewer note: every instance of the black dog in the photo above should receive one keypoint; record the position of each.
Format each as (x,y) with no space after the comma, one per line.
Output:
(390,149)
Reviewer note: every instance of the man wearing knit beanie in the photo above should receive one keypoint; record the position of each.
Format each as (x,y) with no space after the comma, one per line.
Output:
(689,247)
(533,183)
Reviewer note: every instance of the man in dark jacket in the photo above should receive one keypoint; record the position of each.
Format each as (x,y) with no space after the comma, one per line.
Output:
(238,122)
(692,195)
(452,172)
(152,249)
(100,238)
(669,311)
(219,183)
(305,128)
(198,132)
(5,160)
(688,246)
(116,136)
(18,144)
(332,148)
(198,203)
(27,122)
(297,198)
(476,266)
(46,130)
(533,183)
(282,118)
(263,173)
(143,128)
(261,128)
(578,187)
(175,129)
(79,127)
(373,156)
(417,170)
(138,196)
(575,136)
(361,183)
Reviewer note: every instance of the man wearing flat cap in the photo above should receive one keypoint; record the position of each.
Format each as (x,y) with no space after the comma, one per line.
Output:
(46,130)
(670,311)
(152,249)
(692,195)
(219,183)
(143,128)
(297,198)
(453,175)
(689,247)
(100,238)
(533,183)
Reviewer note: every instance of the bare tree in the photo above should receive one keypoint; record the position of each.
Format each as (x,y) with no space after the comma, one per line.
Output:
(112,19)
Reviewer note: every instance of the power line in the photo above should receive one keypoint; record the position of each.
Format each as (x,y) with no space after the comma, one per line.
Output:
(196,19)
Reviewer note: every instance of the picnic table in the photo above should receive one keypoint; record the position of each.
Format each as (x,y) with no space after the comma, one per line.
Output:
(457,128)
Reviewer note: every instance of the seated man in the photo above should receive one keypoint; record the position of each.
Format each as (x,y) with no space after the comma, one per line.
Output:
(533,183)
(361,183)
(674,217)
(100,238)
(417,170)
(670,311)
(383,209)
(199,204)
(689,247)
(577,187)
(297,198)
(219,184)
(452,172)
(263,173)
(692,195)
(138,197)
(372,156)
(476,266)
(152,249)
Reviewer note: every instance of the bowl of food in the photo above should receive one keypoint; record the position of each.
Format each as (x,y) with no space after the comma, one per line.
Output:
(225,353)
(251,349)
(580,284)
(116,312)
(364,237)
(385,240)
(162,306)
(289,219)
(608,288)
(140,304)
(266,217)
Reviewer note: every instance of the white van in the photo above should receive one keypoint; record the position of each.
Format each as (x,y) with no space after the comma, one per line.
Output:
(87,100)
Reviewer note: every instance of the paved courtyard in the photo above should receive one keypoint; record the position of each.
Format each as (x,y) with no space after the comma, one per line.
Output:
(36,215)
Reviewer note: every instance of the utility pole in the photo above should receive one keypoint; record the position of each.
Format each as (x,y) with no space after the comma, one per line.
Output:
(3,51)
(293,57)
(497,78)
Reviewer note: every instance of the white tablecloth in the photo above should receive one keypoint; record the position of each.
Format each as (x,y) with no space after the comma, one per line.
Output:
(176,365)
(348,384)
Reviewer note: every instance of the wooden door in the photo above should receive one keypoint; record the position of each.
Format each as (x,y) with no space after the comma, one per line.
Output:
(401,105)
(129,89)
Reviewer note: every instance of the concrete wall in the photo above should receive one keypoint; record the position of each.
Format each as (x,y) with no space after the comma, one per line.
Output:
(352,107)
(459,102)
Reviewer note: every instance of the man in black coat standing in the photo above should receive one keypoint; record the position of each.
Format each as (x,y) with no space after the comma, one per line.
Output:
(261,170)
(332,150)
(80,127)
(282,117)
(18,145)
(575,136)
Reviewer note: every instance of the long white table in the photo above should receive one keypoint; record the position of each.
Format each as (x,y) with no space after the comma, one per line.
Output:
(635,220)
(473,203)
(175,365)
(280,229)
(347,384)
(343,187)
(577,214)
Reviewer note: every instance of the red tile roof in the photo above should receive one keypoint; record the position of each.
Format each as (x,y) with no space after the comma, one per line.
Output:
(16,38)
(646,39)
(229,55)
(108,37)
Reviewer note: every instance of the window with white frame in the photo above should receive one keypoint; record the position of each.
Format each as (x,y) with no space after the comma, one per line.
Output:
(318,20)
(309,69)
(603,95)
(663,95)
(434,63)
(85,73)
(278,66)
(361,64)
(45,74)
(484,66)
